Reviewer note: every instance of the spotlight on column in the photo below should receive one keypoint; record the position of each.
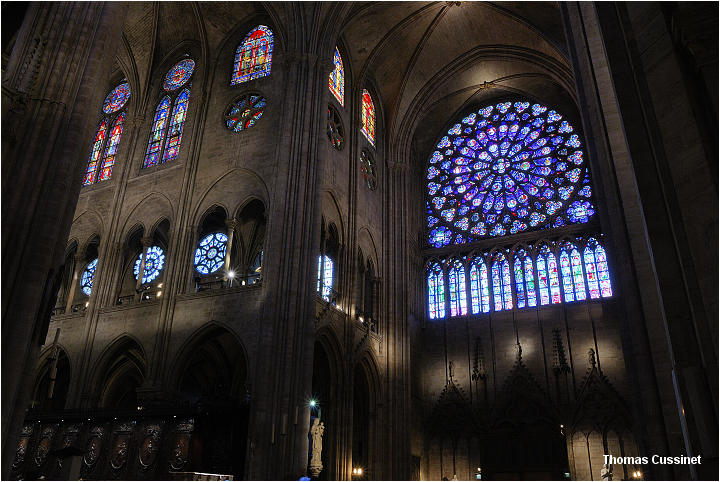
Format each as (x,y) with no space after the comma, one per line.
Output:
(313,403)
(231,274)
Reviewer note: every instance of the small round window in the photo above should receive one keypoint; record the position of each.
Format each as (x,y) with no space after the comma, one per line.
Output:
(154,263)
(179,75)
(244,112)
(210,253)
(335,130)
(88,277)
(367,168)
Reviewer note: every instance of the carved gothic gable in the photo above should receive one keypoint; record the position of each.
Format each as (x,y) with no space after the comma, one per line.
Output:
(521,401)
(452,414)
(599,405)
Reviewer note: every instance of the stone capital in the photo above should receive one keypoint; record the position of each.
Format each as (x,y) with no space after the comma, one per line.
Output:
(146,241)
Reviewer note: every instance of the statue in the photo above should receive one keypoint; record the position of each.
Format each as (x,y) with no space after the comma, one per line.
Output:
(605,473)
(316,432)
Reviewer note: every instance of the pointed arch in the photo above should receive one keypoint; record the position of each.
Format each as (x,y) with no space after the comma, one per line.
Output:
(456,283)
(120,369)
(436,291)
(479,286)
(253,57)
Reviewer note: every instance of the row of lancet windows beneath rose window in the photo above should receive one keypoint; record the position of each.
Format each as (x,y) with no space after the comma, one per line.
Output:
(252,60)
(227,252)
(529,277)
(367,283)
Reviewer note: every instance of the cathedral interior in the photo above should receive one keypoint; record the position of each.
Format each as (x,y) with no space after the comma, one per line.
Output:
(359,240)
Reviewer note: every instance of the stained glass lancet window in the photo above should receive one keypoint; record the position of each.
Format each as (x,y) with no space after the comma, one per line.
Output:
(88,277)
(95,153)
(456,281)
(152,157)
(519,278)
(505,169)
(436,292)
(325,276)
(172,148)
(210,253)
(337,78)
(599,260)
(368,117)
(100,169)
(253,57)
(109,159)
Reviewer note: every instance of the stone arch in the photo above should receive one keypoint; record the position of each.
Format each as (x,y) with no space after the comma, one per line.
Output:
(195,341)
(332,214)
(366,440)
(154,206)
(120,370)
(52,357)
(232,190)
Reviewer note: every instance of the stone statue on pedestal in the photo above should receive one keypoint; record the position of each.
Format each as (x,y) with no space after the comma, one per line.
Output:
(316,432)
(605,473)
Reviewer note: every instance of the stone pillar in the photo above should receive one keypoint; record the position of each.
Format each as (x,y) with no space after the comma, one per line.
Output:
(231,224)
(146,243)
(79,265)
(54,81)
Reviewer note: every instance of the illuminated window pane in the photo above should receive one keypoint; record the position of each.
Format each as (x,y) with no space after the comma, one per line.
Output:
(154,263)
(109,160)
(177,121)
(337,78)
(568,287)
(210,253)
(368,117)
(152,156)
(530,282)
(602,272)
(253,58)
(94,160)
(88,276)
(542,280)
(484,288)
(497,286)
(519,280)
(436,292)
(505,169)
(458,297)
(578,280)
(553,278)
(591,272)
(507,285)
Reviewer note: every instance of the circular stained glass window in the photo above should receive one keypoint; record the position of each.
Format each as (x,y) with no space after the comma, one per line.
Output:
(154,263)
(505,169)
(210,254)
(88,276)
(335,130)
(117,99)
(178,75)
(367,168)
(244,112)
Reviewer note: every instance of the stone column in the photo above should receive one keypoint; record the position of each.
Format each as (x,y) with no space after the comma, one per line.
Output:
(231,224)
(79,265)
(146,243)
(54,81)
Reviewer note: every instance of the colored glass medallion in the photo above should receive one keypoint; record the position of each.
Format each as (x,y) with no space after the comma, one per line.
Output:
(179,75)
(154,263)
(335,130)
(117,98)
(244,112)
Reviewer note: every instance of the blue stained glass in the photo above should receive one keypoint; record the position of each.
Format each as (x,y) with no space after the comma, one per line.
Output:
(510,161)
(519,279)
(88,276)
(458,300)
(325,277)
(253,57)
(210,254)
(154,263)
(530,282)
(436,292)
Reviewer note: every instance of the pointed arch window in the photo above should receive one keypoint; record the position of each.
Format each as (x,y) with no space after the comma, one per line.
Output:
(368,117)
(325,276)
(519,272)
(596,269)
(479,287)
(253,57)
(458,300)
(436,292)
(337,78)
(502,287)
(105,145)
(166,133)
